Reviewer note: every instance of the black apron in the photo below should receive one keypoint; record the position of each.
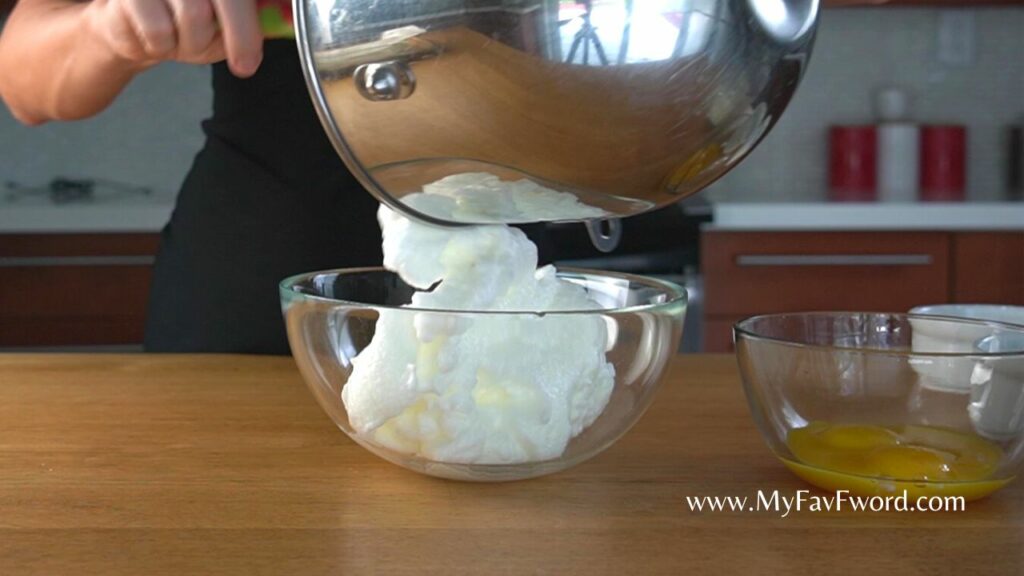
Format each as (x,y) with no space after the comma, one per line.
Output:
(267,197)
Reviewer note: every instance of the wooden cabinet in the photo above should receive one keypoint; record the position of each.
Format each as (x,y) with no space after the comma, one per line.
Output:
(74,289)
(989,267)
(718,332)
(779,272)
(749,273)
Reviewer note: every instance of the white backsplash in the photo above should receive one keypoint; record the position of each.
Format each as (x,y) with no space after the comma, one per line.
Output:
(861,50)
(150,135)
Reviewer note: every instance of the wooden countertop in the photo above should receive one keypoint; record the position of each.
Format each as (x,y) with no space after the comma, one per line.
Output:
(136,464)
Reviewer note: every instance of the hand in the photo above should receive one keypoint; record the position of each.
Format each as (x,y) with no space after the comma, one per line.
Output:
(145,32)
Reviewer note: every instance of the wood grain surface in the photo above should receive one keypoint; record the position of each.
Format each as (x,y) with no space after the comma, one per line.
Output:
(989,267)
(224,465)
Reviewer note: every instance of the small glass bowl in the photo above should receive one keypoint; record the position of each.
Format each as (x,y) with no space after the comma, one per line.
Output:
(332,316)
(948,391)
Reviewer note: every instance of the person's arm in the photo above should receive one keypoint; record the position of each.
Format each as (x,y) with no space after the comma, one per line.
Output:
(64,60)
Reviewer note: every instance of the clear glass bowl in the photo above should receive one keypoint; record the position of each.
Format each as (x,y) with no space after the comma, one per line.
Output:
(880,403)
(332,317)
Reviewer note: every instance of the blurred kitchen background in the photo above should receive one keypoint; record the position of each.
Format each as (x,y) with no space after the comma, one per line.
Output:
(81,203)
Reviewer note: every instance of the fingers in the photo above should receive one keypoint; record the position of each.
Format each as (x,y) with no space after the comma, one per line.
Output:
(243,39)
(196,27)
(153,25)
(111,21)
(215,51)
(196,31)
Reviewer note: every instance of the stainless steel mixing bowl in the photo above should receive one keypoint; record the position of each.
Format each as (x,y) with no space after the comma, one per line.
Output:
(627,104)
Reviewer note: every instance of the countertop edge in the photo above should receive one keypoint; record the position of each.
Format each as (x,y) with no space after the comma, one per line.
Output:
(84,219)
(989,216)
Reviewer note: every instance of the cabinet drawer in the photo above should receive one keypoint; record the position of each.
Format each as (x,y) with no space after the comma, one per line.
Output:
(989,267)
(718,334)
(74,290)
(82,331)
(72,245)
(756,273)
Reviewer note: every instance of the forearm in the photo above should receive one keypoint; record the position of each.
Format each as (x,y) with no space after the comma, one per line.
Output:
(55,65)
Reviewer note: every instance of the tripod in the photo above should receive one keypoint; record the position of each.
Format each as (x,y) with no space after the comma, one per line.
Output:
(586,36)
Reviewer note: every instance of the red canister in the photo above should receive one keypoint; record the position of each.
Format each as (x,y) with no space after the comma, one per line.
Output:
(851,164)
(943,163)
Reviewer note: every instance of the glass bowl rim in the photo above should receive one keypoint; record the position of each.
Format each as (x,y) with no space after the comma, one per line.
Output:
(677,294)
(926,310)
(916,481)
(739,330)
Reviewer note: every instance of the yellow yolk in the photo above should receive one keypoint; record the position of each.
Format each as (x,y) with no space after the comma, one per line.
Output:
(878,460)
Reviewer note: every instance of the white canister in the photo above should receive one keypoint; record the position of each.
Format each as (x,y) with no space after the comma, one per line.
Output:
(898,161)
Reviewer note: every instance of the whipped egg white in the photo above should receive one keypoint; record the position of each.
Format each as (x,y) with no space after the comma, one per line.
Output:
(493,388)
(479,197)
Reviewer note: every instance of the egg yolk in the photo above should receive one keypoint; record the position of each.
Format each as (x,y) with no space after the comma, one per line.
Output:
(872,460)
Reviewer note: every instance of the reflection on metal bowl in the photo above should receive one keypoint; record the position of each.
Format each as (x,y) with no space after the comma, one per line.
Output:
(628,105)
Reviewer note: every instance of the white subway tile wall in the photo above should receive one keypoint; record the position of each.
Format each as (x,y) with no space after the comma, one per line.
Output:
(861,50)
